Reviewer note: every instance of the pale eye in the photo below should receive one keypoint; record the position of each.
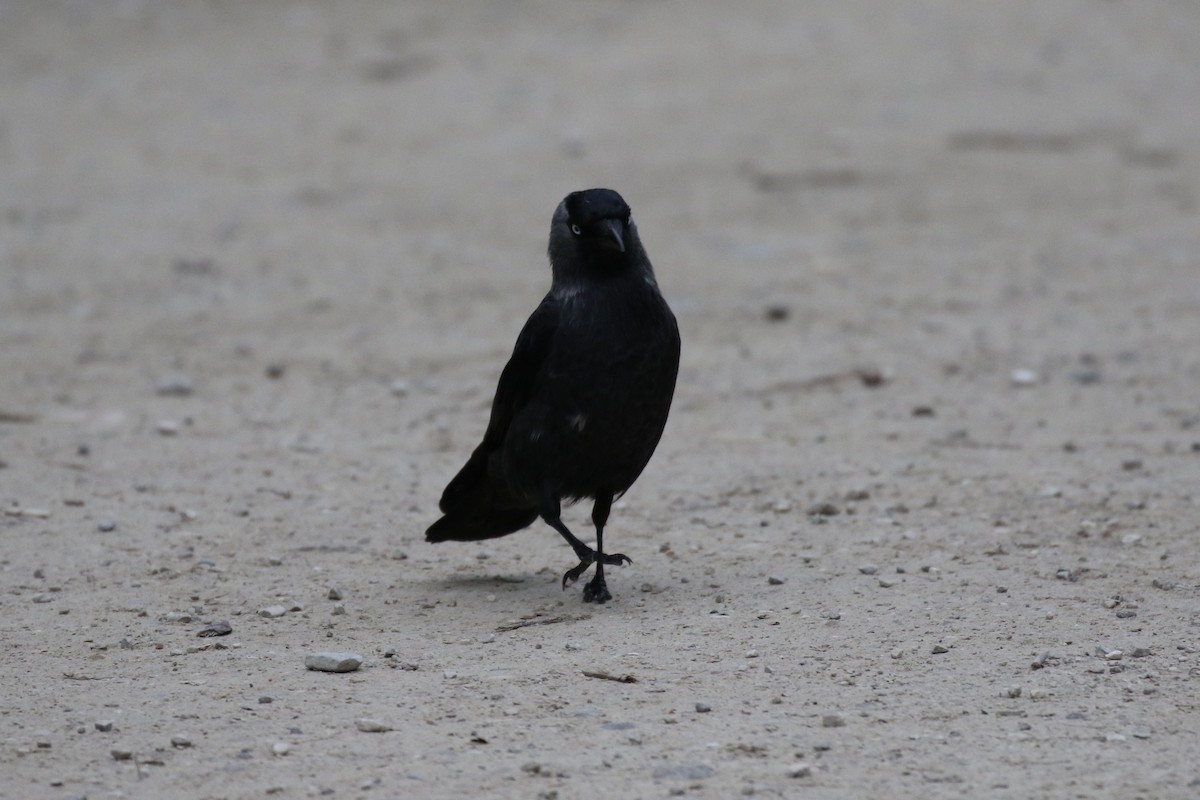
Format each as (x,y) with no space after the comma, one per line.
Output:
(575,229)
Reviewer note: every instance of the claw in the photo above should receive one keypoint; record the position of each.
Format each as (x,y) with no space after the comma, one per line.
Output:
(616,559)
(575,573)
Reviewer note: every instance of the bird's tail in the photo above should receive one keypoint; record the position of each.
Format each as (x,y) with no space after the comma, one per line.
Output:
(472,524)
(473,511)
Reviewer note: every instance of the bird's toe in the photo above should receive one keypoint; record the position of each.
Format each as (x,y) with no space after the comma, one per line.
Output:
(616,559)
(575,573)
(596,592)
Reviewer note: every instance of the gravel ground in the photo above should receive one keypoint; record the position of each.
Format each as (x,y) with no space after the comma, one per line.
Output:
(923,522)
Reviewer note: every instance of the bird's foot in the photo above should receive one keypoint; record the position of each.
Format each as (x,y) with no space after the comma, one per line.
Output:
(576,572)
(596,591)
(586,560)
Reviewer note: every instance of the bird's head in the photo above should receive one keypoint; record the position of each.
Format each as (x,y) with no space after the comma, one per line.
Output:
(593,234)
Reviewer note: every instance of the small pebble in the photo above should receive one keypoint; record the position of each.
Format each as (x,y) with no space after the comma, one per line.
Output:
(449,674)
(281,748)
(175,385)
(799,770)
(266,699)
(338,609)
(181,742)
(833,615)
(868,569)
(42,597)
(398,387)
(219,628)
(167,427)
(372,726)
(939,649)
(886,583)
(777,313)
(333,662)
(897,653)
(334,593)
(106,525)
(751,654)
(1141,733)
(1141,652)
(702,707)
(1013,691)
(17,511)
(832,721)
(1023,377)
(271,612)
(104,725)
(487,638)
(775,581)
(121,754)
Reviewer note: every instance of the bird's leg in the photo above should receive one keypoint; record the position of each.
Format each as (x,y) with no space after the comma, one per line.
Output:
(550,510)
(596,590)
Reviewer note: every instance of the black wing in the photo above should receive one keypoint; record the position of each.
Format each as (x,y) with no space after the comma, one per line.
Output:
(512,393)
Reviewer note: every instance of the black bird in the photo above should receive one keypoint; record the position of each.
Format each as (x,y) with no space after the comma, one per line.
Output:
(584,398)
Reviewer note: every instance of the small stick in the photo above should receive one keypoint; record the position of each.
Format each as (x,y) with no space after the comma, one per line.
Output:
(609,677)
(525,623)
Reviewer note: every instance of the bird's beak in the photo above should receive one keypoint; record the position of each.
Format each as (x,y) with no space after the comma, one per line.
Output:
(614,229)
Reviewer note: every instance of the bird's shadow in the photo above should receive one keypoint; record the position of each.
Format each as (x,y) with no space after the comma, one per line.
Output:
(483,585)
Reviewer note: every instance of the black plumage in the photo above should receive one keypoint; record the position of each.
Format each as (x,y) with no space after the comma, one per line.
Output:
(583,400)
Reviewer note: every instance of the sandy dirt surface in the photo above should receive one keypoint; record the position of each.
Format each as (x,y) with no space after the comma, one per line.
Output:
(923,523)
